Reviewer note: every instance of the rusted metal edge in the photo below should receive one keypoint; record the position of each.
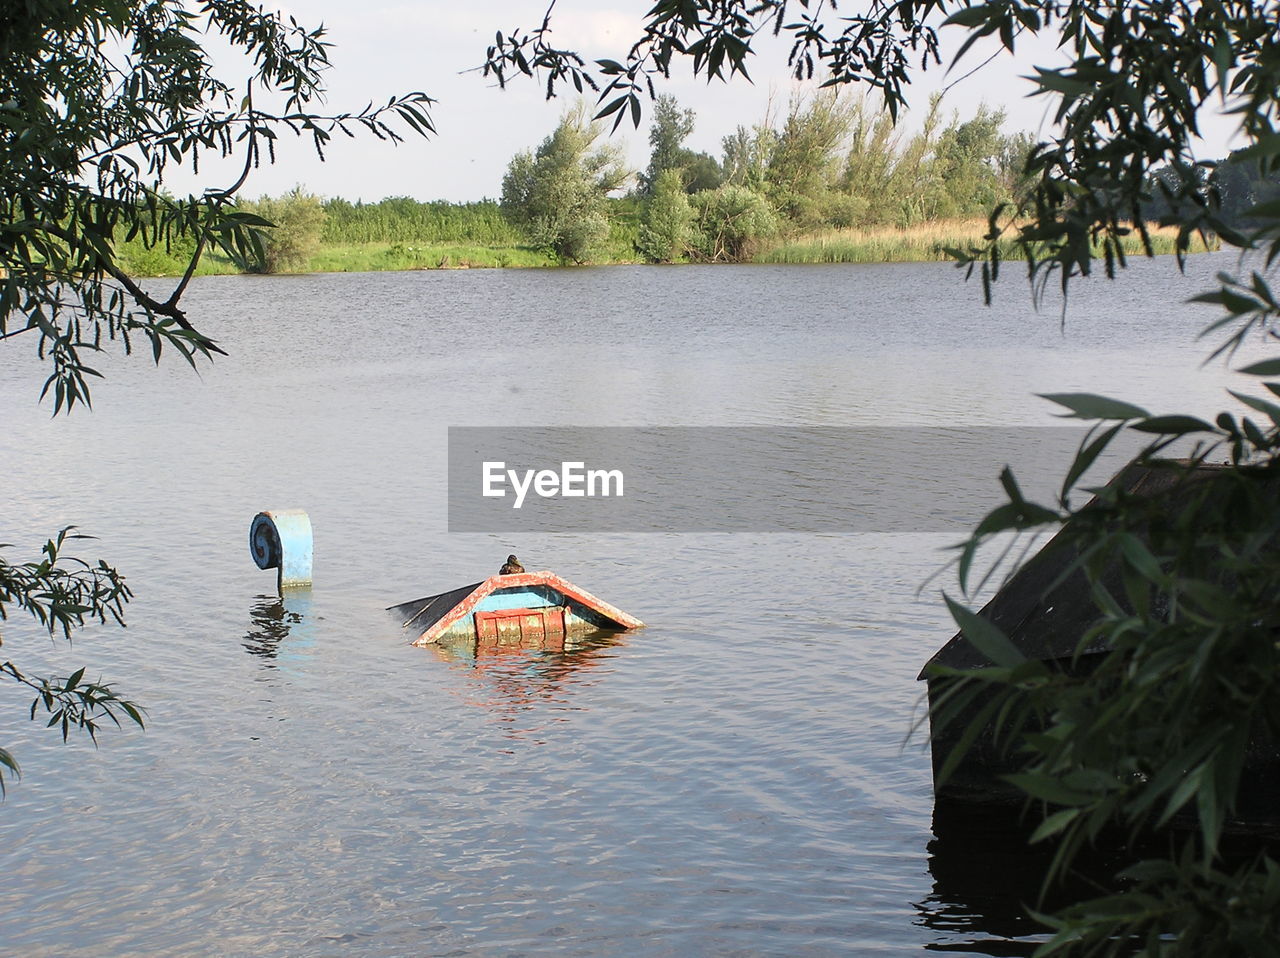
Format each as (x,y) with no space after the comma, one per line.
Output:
(468,605)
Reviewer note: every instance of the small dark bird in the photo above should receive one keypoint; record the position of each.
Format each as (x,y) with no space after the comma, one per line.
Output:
(511,567)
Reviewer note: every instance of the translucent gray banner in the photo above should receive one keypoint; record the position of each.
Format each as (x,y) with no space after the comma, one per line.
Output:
(748,478)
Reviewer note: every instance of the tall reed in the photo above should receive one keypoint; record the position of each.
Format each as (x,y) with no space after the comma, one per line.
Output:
(924,242)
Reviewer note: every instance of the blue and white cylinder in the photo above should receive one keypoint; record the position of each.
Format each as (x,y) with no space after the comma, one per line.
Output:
(281,539)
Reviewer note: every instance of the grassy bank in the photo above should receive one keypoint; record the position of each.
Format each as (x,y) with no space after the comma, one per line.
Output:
(379,257)
(138,260)
(352,258)
(920,244)
(375,257)
(924,243)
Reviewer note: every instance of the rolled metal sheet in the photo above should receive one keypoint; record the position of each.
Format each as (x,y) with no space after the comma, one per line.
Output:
(281,539)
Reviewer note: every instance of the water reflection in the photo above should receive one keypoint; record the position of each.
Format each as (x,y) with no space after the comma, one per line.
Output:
(525,686)
(985,877)
(280,628)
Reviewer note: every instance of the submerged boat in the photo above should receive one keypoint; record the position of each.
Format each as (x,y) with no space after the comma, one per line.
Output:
(535,610)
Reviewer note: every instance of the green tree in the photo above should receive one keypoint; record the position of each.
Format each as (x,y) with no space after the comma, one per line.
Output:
(97,101)
(1011,163)
(1241,182)
(904,204)
(666,231)
(670,127)
(836,161)
(729,222)
(963,169)
(61,592)
(747,154)
(872,164)
(700,171)
(557,193)
(297,222)
(966,166)
(668,130)
(1184,591)
(805,161)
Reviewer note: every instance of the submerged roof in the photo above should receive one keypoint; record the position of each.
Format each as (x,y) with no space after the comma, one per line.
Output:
(1045,609)
(435,615)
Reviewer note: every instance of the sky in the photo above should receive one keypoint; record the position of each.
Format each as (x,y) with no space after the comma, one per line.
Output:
(381,47)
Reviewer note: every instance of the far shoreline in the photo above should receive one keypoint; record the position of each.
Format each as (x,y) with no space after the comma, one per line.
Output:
(924,243)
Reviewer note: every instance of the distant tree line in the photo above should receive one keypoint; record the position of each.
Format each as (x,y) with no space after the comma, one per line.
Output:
(1240,182)
(399,219)
(833,162)
(302,223)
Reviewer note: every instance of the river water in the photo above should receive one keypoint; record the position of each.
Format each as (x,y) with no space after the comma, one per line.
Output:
(734,779)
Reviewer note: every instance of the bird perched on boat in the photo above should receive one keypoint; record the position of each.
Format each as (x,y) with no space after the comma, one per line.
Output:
(511,567)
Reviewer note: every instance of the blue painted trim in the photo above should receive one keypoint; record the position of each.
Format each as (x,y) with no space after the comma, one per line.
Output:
(281,539)
(520,597)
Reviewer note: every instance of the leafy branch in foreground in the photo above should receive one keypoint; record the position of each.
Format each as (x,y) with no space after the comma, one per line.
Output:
(62,592)
(878,47)
(96,102)
(70,702)
(59,597)
(1170,699)
(1127,119)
